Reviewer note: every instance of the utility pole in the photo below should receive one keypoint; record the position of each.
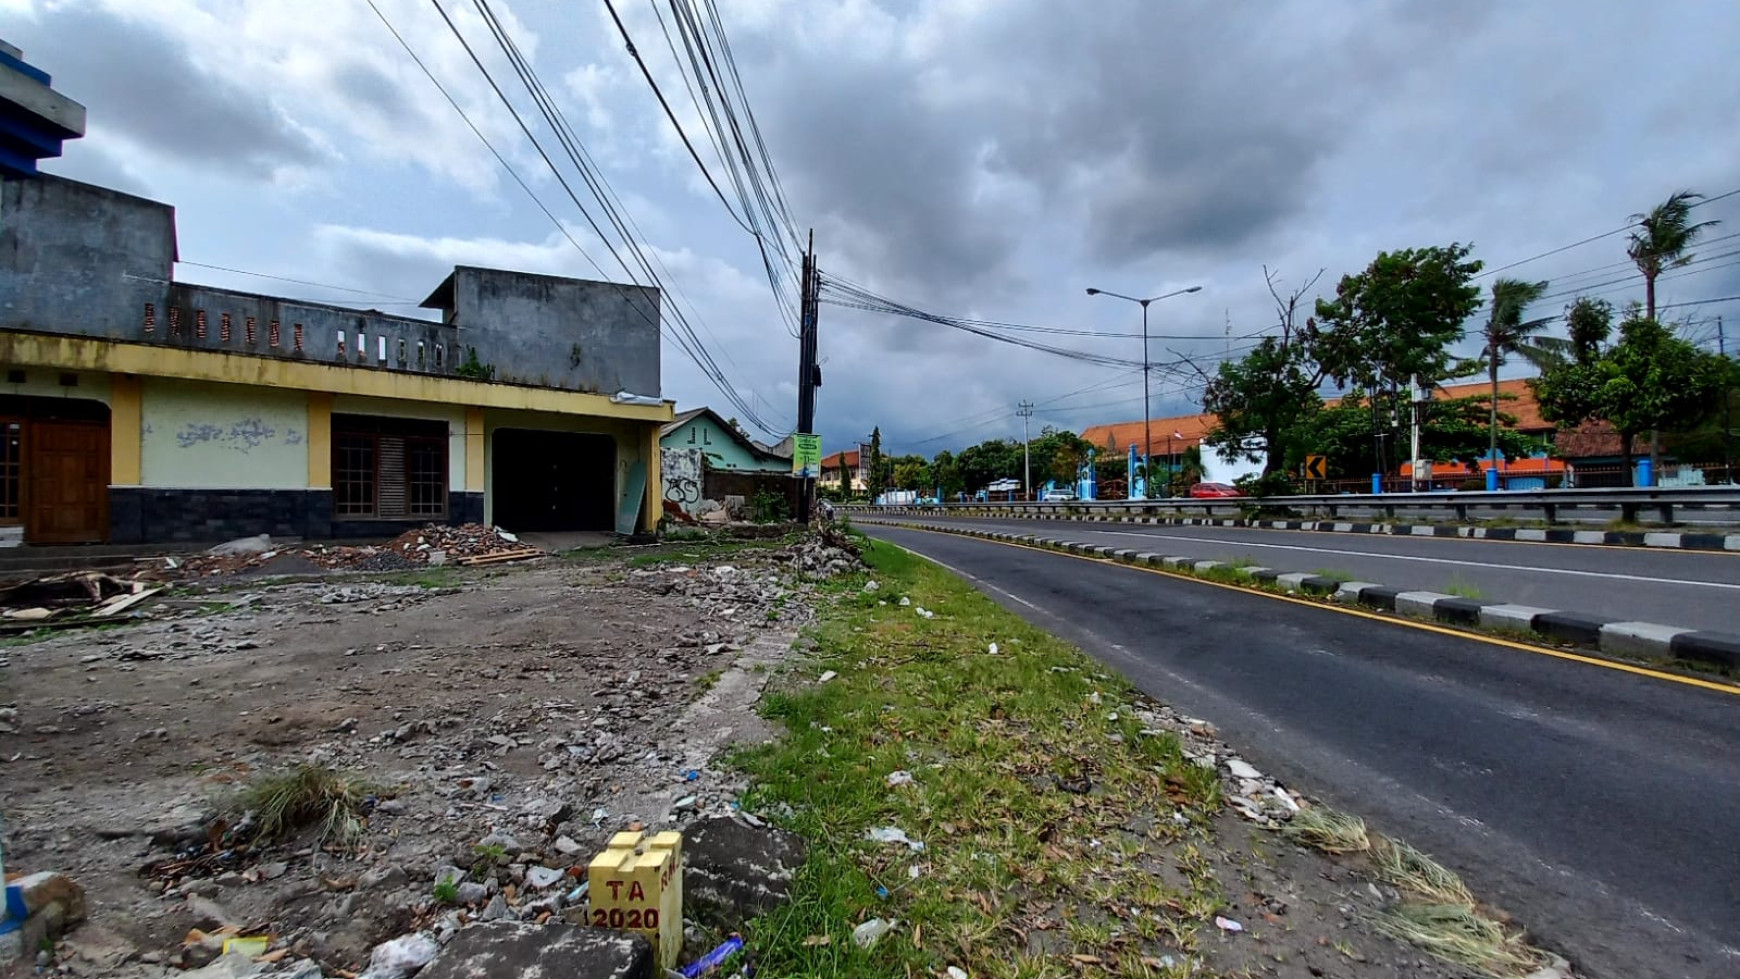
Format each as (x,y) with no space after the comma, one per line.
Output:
(809,375)
(1025,410)
(1727,409)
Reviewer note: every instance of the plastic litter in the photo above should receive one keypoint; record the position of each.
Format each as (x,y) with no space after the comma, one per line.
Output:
(867,934)
(904,601)
(956,972)
(578,894)
(925,613)
(825,677)
(993,653)
(893,834)
(901,777)
(401,957)
(714,959)
(691,775)
(1227,924)
(913,872)
(247,945)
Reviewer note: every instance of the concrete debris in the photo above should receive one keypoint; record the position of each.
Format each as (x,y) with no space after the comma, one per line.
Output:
(520,948)
(401,957)
(1240,768)
(734,872)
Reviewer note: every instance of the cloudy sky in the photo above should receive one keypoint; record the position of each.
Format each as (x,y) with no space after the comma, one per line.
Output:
(982,158)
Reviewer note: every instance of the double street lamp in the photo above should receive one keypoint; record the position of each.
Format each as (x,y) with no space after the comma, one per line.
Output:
(1147,433)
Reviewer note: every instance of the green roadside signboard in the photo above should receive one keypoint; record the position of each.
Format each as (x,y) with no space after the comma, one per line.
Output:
(806,456)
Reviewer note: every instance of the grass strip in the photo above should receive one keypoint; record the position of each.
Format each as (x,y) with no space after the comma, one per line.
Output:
(1040,805)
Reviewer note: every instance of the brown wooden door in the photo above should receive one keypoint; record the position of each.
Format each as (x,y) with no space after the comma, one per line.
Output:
(68,482)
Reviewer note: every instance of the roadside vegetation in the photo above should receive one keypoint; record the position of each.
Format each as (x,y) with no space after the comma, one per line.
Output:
(1023,764)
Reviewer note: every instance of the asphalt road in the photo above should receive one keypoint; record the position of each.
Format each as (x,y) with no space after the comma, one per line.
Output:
(1691,589)
(1598,806)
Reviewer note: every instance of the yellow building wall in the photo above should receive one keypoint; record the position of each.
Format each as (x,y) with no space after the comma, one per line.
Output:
(223,436)
(44,382)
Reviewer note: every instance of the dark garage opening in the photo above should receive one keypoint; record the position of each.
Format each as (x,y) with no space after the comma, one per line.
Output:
(553,480)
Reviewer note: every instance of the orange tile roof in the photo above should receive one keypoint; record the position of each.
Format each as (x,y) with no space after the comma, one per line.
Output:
(833,461)
(1192,428)
(1186,430)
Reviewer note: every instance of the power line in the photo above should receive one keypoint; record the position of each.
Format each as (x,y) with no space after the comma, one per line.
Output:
(672,116)
(716,378)
(300,282)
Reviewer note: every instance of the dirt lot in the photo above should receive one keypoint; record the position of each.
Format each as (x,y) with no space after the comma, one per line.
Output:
(538,703)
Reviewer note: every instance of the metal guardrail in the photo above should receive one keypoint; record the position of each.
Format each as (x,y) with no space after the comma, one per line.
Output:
(1628,501)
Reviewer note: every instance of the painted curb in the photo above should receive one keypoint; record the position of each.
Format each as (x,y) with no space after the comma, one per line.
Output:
(1669,540)
(1608,635)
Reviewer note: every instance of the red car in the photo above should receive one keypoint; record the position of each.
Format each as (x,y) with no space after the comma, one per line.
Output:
(1214,491)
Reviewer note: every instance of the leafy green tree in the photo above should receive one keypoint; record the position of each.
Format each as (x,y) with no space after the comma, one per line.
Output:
(1058,454)
(1568,388)
(1652,380)
(983,464)
(1662,240)
(1508,333)
(1261,400)
(911,472)
(1260,403)
(873,467)
(1395,322)
(947,474)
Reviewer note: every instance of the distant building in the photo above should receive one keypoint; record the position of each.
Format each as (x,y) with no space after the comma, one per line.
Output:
(848,463)
(137,408)
(723,446)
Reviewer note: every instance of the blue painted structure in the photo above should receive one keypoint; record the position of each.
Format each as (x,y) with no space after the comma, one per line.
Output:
(34,119)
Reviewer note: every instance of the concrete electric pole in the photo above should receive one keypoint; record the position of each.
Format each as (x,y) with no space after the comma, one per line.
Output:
(809,374)
(1025,410)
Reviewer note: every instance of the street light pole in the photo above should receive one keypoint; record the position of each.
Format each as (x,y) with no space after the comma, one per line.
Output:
(1147,413)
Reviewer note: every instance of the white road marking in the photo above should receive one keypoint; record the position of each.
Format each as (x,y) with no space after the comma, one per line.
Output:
(1432,560)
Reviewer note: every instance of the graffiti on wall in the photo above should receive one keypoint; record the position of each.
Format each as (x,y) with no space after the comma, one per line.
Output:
(242,436)
(680,470)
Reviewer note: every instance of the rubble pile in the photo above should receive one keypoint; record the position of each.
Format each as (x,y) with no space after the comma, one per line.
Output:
(464,544)
(433,544)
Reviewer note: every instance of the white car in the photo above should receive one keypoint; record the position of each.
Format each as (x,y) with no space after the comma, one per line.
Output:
(1056,496)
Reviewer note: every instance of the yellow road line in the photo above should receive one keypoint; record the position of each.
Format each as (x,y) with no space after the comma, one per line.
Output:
(1726,688)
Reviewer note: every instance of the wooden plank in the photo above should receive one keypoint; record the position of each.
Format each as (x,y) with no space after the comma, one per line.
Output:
(114,608)
(500,557)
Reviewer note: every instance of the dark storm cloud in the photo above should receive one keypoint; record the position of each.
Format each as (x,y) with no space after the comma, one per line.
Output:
(1118,130)
(143,84)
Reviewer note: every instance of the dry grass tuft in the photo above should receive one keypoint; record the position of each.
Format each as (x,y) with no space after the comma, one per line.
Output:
(1412,872)
(307,795)
(1329,830)
(1458,933)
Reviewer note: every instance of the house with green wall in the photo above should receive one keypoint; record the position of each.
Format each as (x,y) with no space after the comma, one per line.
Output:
(723,447)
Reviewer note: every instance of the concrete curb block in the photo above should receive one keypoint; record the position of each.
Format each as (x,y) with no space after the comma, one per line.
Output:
(1671,540)
(1620,638)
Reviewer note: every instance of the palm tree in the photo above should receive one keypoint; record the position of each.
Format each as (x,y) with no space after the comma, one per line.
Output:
(1660,241)
(1507,333)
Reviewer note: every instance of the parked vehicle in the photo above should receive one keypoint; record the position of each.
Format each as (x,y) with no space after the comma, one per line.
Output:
(1057,496)
(1214,491)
